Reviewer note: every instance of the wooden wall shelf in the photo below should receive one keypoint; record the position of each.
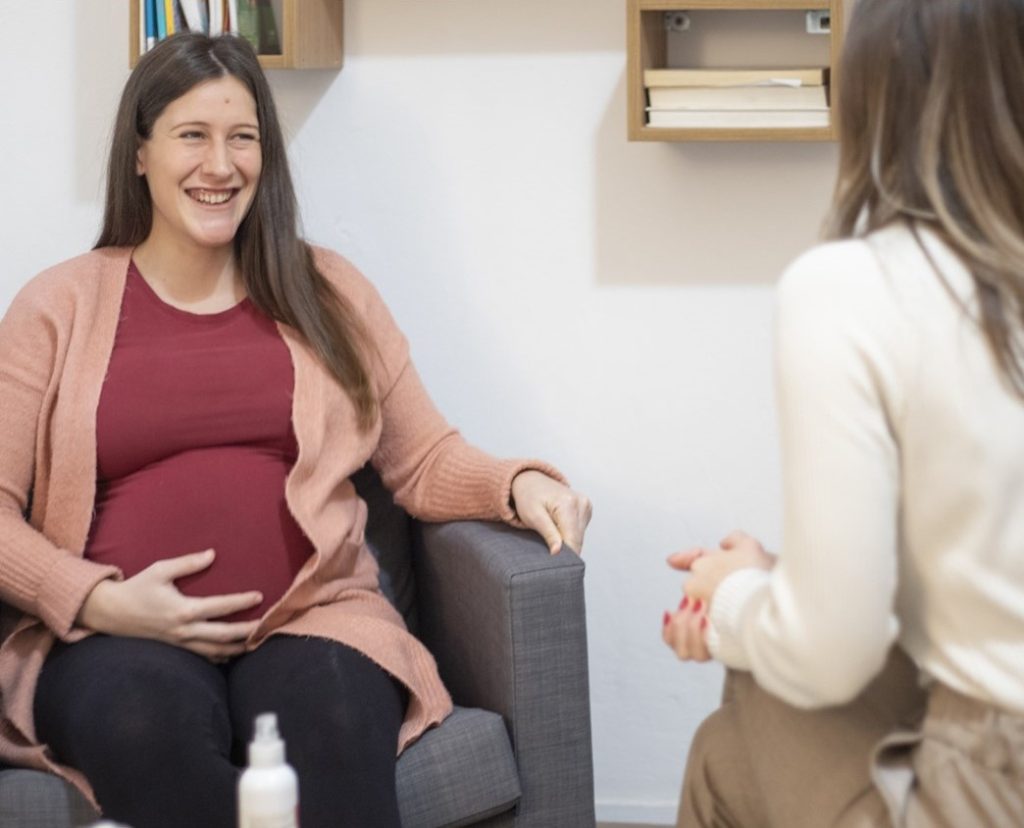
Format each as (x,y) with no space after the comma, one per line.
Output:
(310,32)
(780,45)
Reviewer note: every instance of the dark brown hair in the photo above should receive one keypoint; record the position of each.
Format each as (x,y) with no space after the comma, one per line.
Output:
(276,265)
(931,128)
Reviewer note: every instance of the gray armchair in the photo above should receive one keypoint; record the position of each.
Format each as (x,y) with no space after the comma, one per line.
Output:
(505,621)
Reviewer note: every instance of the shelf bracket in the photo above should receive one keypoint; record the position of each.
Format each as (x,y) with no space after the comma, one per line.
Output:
(819,21)
(677,21)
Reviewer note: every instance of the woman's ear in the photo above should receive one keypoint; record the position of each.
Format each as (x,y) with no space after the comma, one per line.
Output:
(140,165)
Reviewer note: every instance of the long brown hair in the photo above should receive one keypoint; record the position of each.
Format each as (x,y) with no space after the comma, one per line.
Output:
(931,128)
(276,265)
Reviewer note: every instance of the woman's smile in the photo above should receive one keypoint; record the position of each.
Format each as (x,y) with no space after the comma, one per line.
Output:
(211,197)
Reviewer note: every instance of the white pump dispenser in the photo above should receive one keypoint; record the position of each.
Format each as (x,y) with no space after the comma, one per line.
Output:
(268,790)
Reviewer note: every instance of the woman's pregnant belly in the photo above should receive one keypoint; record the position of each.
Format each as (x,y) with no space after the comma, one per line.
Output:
(226,498)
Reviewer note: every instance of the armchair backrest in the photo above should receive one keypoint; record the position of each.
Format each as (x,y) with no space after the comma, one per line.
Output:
(390,538)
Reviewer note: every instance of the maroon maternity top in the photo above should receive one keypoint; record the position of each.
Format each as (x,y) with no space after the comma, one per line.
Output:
(194,443)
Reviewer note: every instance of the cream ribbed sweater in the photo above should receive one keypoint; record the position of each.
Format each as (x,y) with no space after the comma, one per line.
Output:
(903,465)
(55,343)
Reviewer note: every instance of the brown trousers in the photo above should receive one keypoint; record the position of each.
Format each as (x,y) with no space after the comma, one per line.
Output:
(895,756)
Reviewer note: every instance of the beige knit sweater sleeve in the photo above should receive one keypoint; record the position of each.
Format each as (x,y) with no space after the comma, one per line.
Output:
(816,629)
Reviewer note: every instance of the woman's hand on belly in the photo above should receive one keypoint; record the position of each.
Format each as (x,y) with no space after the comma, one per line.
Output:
(149,605)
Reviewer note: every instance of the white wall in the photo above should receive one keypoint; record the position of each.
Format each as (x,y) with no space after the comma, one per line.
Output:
(602,304)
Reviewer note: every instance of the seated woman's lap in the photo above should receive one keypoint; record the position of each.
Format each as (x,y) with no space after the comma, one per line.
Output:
(759,762)
(155,728)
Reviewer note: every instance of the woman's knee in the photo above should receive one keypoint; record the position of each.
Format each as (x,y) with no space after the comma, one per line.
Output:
(130,697)
(325,694)
(717,782)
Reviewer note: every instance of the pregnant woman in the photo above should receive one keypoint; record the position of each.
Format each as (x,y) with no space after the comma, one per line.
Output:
(180,545)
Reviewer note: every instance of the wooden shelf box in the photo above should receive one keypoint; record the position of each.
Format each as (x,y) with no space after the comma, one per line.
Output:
(728,34)
(310,34)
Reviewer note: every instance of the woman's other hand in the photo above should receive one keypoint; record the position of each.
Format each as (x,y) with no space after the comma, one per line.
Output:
(149,605)
(708,568)
(683,631)
(553,510)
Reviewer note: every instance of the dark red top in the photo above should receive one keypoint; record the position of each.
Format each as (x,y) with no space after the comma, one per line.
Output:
(194,442)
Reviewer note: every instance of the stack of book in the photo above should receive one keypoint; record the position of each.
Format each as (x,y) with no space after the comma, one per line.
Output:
(252,19)
(736,98)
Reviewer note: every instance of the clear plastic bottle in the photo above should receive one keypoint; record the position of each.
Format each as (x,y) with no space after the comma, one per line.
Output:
(268,790)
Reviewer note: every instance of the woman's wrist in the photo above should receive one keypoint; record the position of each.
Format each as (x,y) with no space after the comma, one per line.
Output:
(96,606)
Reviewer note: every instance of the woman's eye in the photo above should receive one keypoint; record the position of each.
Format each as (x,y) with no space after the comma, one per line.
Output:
(191,135)
(246,137)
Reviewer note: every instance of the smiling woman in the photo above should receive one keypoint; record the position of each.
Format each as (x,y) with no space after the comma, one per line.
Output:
(183,408)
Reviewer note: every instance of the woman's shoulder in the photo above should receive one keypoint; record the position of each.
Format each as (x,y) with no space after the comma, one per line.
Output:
(831,265)
(865,289)
(887,265)
(363,297)
(343,275)
(66,284)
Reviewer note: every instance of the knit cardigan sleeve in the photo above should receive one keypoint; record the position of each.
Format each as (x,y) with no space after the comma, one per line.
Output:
(431,470)
(36,576)
(817,628)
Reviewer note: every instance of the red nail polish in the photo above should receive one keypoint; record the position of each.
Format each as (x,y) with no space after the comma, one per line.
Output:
(684,603)
(697,605)
(704,623)
(665,619)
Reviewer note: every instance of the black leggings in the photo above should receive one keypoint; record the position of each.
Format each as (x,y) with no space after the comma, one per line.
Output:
(159,732)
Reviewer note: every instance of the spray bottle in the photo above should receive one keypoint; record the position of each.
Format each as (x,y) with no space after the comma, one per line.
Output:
(268,790)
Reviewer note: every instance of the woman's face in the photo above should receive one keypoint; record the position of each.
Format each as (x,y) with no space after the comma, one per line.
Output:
(202,165)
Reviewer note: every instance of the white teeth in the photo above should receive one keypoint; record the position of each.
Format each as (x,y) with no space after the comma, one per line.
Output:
(211,196)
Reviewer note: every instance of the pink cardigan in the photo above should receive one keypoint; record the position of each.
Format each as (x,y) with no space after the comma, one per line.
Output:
(55,343)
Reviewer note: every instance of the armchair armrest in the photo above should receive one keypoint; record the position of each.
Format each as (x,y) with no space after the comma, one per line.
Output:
(505,621)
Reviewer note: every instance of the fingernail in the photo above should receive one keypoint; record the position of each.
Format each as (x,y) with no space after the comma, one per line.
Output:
(697,605)
(665,619)
(704,623)
(685,602)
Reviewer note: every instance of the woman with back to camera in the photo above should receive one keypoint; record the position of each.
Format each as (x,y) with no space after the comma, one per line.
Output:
(900,373)
(182,409)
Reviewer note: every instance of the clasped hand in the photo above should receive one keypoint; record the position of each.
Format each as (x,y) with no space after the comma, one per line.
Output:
(150,605)
(684,630)
(553,510)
